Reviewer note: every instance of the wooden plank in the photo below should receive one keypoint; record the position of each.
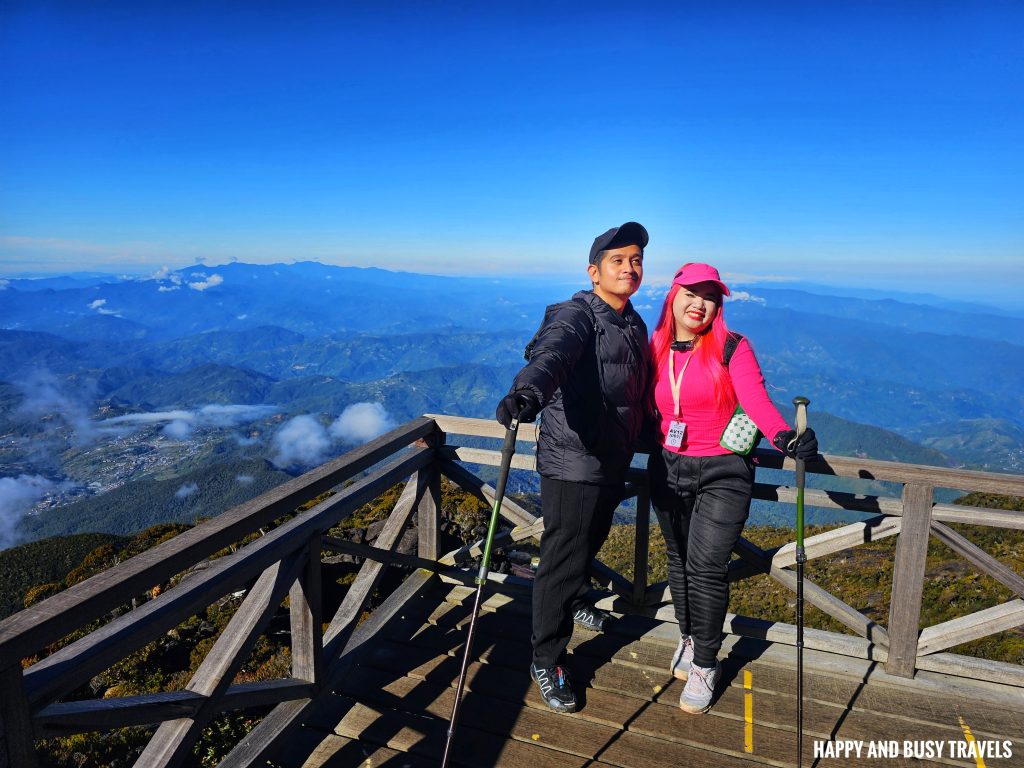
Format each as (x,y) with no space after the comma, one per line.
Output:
(16,747)
(838,539)
(470,482)
(370,572)
(74,664)
(988,621)
(306,609)
(368,552)
(907,580)
(425,736)
(641,544)
(504,691)
(971,668)
(260,744)
(610,579)
(503,539)
(488,458)
(427,488)
(504,640)
(774,745)
(996,518)
(66,718)
(834,607)
(172,743)
(772,631)
(979,558)
(24,633)
(510,719)
(917,474)
(461,425)
(828,499)
(333,751)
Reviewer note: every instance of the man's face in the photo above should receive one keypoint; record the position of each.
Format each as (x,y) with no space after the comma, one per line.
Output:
(619,273)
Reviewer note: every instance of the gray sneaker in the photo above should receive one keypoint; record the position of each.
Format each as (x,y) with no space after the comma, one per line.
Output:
(699,689)
(682,658)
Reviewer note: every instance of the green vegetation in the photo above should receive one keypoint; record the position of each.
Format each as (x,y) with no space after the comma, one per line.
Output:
(40,568)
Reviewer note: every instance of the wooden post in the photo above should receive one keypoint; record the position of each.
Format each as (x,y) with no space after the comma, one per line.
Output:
(17,749)
(642,544)
(306,602)
(428,514)
(908,580)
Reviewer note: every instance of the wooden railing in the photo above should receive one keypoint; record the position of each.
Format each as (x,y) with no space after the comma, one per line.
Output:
(286,561)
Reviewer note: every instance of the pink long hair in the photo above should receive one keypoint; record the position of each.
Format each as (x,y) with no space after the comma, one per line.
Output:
(708,347)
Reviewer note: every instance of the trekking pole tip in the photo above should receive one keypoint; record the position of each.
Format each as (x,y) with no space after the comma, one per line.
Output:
(801,400)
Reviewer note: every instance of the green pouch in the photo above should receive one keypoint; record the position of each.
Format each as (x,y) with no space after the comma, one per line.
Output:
(741,433)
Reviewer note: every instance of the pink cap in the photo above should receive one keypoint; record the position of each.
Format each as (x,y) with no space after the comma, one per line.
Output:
(691,274)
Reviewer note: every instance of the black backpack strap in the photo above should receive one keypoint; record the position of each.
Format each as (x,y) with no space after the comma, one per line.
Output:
(731,343)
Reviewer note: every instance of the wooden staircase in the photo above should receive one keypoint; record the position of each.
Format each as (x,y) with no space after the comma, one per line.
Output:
(394,707)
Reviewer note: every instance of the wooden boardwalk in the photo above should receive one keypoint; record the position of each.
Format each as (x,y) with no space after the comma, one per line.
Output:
(392,709)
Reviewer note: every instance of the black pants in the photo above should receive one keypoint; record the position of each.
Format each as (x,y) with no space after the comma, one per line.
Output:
(577,517)
(702,503)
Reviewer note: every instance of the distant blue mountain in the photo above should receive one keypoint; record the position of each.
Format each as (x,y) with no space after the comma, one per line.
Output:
(312,337)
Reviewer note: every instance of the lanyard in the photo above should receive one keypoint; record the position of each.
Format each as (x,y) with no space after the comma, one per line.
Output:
(675,382)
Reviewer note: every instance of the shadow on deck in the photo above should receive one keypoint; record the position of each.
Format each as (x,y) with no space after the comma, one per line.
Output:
(393,709)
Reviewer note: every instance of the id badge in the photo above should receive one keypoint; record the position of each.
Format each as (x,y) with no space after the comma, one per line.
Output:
(674,438)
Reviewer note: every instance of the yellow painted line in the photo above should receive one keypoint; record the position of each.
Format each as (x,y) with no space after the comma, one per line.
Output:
(748,711)
(970,740)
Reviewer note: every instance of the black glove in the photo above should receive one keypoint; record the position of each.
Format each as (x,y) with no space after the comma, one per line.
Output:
(806,448)
(522,404)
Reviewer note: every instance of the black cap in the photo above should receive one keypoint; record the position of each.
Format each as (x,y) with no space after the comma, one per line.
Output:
(629,233)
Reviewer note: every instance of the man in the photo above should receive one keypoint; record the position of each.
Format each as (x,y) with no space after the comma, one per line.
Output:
(589,369)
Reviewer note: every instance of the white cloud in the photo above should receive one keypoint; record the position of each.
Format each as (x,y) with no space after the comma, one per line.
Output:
(207,282)
(245,479)
(4,283)
(233,414)
(361,422)
(45,395)
(149,418)
(17,495)
(745,296)
(186,490)
(181,423)
(179,429)
(99,306)
(301,441)
(164,273)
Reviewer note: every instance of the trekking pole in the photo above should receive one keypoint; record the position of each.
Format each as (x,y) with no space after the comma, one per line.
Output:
(801,404)
(507,450)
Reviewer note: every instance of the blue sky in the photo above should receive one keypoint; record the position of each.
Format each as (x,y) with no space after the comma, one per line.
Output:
(854,143)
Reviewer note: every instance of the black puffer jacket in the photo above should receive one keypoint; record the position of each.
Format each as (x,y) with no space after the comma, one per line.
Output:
(593,374)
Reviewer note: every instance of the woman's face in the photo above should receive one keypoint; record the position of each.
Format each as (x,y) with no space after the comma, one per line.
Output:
(694,307)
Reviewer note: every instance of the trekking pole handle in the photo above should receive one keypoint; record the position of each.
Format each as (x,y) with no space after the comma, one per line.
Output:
(801,404)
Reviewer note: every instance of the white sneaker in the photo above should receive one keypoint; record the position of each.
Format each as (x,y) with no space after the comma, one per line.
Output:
(700,689)
(682,658)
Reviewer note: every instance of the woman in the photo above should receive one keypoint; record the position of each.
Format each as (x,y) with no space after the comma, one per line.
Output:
(701,490)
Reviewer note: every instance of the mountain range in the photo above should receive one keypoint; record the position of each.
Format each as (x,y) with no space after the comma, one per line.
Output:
(84,362)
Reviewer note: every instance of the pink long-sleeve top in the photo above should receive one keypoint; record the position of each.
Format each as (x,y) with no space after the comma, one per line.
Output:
(705,420)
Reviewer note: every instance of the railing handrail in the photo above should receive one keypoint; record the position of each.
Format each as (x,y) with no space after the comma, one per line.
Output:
(49,620)
(838,466)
